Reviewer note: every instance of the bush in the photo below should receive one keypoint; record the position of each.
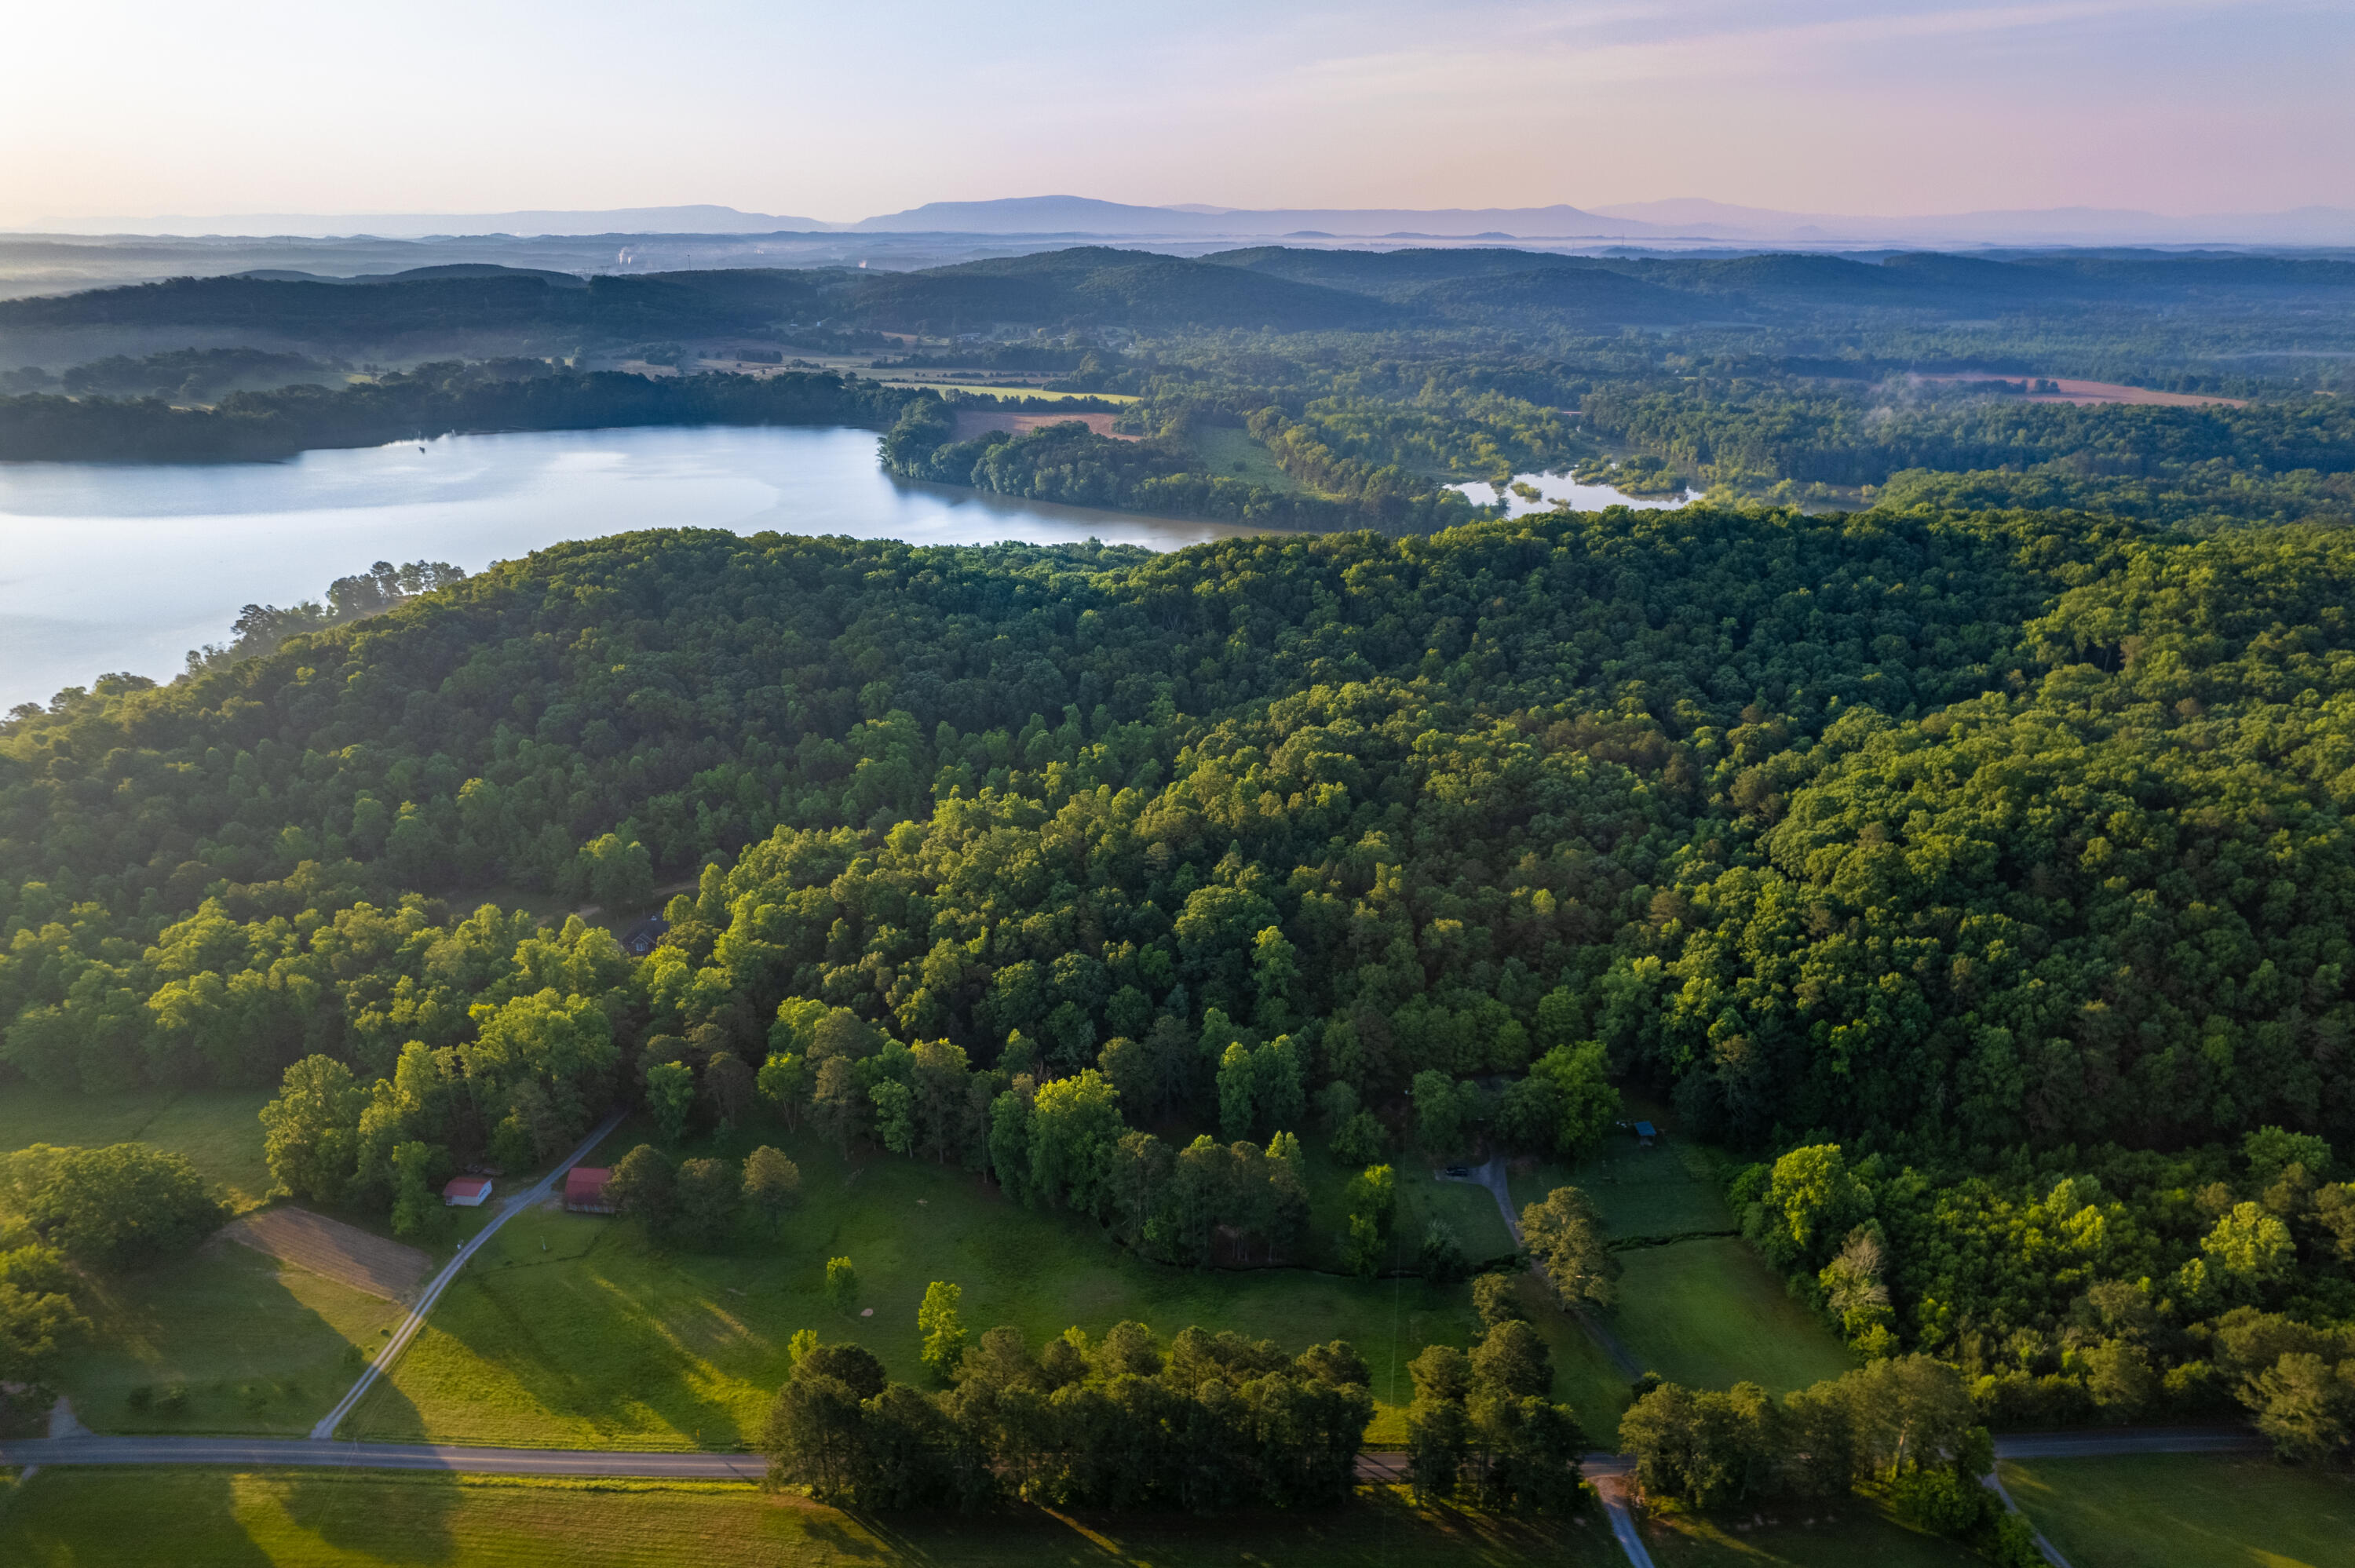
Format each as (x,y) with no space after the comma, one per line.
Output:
(1940,1501)
(1441,1258)
(841,1284)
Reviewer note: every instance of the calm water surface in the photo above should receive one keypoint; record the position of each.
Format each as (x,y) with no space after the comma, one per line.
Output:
(127,566)
(1559,490)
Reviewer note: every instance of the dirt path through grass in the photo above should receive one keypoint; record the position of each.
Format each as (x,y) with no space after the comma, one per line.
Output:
(1492,1176)
(441,1282)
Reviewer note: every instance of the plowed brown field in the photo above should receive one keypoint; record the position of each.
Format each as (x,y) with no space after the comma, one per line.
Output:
(333,1250)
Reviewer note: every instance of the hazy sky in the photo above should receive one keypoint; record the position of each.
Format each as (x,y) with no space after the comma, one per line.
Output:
(868,106)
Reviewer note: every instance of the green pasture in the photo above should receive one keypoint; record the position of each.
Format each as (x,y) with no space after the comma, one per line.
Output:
(257,1346)
(1229,452)
(218,1130)
(324,1519)
(1851,1533)
(2188,1511)
(575,1330)
(1669,1189)
(1708,1314)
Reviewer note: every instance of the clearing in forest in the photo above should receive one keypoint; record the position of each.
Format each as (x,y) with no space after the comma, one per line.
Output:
(972,422)
(333,1250)
(2070,390)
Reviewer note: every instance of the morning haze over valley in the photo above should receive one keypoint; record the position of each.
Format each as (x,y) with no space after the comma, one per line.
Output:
(1178,785)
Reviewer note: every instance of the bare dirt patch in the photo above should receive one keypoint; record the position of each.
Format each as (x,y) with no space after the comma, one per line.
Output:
(333,1250)
(2086,392)
(972,422)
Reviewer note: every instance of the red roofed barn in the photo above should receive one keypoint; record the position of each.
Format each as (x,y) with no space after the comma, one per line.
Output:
(584,1190)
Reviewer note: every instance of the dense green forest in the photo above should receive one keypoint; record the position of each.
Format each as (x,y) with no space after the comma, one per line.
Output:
(1994,862)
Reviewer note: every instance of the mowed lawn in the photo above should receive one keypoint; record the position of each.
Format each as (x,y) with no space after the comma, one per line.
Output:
(218,1130)
(220,1519)
(1666,1190)
(571,1329)
(2188,1511)
(1708,1314)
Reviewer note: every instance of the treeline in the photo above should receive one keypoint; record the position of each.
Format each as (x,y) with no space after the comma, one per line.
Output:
(1906,1424)
(1483,1426)
(433,399)
(261,628)
(1753,434)
(2206,497)
(1211,1423)
(2106,1285)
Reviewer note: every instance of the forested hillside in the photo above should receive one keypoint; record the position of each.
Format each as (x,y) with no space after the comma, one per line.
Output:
(1937,836)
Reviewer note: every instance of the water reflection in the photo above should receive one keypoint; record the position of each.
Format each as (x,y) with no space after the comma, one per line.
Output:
(126,567)
(1560,489)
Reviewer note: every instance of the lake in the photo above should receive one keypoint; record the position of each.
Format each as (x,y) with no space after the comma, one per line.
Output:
(127,566)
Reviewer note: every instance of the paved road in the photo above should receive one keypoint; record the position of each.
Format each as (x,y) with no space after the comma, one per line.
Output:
(1492,1176)
(441,1281)
(1611,1473)
(303,1453)
(1382,1464)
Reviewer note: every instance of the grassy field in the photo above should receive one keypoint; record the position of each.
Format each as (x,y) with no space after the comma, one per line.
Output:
(218,1129)
(569,1330)
(1666,1190)
(2188,1511)
(259,1346)
(1703,1311)
(1232,453)
(1707,1314)
(215,1519)
(1852,1535)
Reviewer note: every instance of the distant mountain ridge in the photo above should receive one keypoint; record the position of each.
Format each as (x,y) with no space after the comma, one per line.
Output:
(1699,218)
(700,219)
(1685,219)
(1085,215)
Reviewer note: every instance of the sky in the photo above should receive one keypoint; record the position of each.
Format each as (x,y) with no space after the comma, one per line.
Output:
(859,107)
